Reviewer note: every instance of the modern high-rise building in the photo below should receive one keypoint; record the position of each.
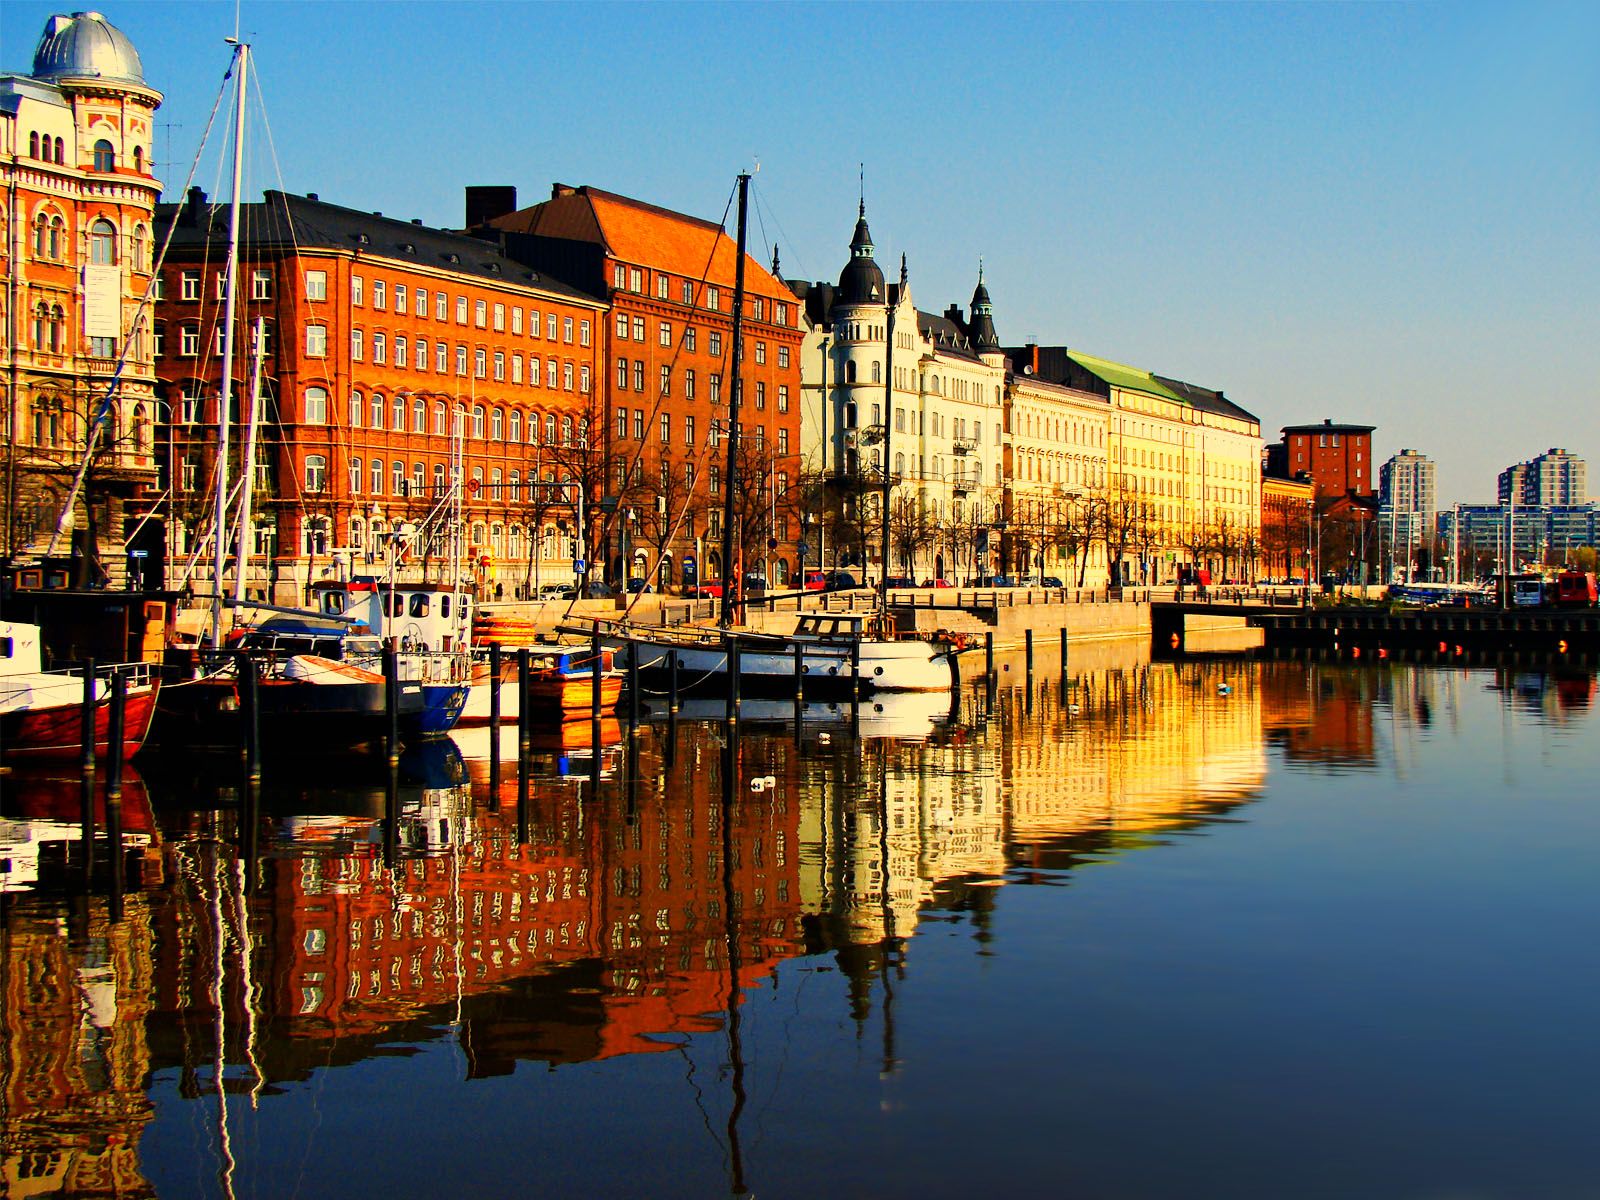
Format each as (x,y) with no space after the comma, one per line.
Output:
(1556,477)
(1405,506)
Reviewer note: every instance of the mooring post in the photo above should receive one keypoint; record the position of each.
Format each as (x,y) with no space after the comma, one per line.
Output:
(114,735)
(855,683)
(988,653)
(114,848)
(250,714)
(494,697)
(86,757)
(1027,651)
(391,704)
(733,677)
(524,728)
(633,689)
(1063,650)
(391,814)
(799,686)
(594,666)
(672,686)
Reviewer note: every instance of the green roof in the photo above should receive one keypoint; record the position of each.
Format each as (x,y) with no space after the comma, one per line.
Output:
(1122,376)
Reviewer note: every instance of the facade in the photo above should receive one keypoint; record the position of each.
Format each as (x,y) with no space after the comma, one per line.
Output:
(891,388)
(1287,523)
(392,354)
(1556,477)
(1542,536)
(1336,456)
(667,349)
(75,161)
(1056,467)
(1182,480)
(1406,508)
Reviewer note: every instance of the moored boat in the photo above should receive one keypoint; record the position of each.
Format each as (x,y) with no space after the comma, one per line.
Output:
(561,683)
(41,712)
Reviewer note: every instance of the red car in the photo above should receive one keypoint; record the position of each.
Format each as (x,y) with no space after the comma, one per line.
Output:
(937,583)
(707,589)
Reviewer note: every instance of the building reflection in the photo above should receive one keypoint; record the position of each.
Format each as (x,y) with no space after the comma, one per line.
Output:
(629,902)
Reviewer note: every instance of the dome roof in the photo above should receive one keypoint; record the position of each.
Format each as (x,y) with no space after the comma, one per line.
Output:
(86,46)
(861,282)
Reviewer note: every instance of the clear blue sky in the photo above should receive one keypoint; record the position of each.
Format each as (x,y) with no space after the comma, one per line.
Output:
(1382,212)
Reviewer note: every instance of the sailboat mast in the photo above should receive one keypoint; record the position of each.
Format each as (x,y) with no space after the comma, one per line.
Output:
(246,526)
(888,443)
(729,581)
(231,294)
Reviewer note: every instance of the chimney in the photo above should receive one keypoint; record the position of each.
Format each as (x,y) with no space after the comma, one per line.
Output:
(557,190)
(485,203)
(189,216)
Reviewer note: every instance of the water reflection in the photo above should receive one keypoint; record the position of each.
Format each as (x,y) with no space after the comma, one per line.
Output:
(626,895)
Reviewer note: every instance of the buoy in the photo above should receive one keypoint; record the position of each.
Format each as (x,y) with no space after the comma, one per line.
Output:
(1355,651)
(1224,690)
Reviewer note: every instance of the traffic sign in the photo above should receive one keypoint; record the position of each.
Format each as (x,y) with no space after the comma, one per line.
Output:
(578,565)
(804,549)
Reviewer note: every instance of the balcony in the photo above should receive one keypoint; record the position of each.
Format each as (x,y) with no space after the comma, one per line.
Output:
(963,446)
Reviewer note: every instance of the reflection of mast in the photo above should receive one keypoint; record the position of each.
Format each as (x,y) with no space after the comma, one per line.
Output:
(225,1146)
(889,945)
(730,919)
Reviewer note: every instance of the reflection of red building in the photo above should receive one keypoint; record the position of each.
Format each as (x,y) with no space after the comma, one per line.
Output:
(1320,714)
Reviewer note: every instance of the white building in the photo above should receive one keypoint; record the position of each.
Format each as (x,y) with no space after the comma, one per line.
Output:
(1406,507)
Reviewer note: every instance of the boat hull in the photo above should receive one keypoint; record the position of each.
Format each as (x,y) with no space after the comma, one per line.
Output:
(442,705)
(55,732)
(303,718)
(768,670)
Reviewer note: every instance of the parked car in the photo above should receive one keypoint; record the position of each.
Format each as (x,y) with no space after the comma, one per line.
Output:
(1051,581)
(636,586)
(755,583)
(594,590)
(994,581)
(816,581)
(937,583)
(555,591)
(900,581)
(840,581)
(706,589)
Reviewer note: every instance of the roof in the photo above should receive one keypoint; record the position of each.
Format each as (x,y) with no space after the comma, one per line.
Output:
(1123,376)
(947,337)
(309,223)
(1207,400)
(1328,426)
(637,232)
(86,46)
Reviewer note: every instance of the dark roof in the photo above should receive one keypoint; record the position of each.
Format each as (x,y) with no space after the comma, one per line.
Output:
(307,223)
(947,337)
(1207,400)
(861,281)
(1328,426)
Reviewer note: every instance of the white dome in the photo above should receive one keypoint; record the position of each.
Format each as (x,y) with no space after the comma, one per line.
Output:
(86,46)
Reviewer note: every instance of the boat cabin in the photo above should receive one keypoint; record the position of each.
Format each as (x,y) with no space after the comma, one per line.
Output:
(19,649)
(844,627)
(421,616)
(286,636)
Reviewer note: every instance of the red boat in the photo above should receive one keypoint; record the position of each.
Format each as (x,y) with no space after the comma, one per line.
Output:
(41,712)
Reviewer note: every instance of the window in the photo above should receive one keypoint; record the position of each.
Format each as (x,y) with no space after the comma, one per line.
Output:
(638,329)
(516,320)
(583,333)
(689,338)
(314,535)
(551,372)
(357,342)
(261,285)
(441,307)
(480,313)
(438,479)
(398,477)
(497,425)
(783,443)
(189,405)
(322,287)
(189,285)
(159,338)
(566,330)
(380,298)
(380,348)
(663,281)
(516,426)
(480,363)
(638,424)
(716,389)
(105,157)
(638,374)
(583,379)
(377,411)
(714,344)
(783,397)
(516,368)
(316,472)
(761,395)
(666,428)
(500,366)
(376,477)
(316,341)
(419,416)
(622,374)
(398,417)
(441,357)
(635,279)
(550,326)
(400,358)
(622,326)
(622,422)
(461,310)
(357,404)
(419,479)
(477,421)
(189,341)
(400,298)
(761,352)
(566,376)
(533,323)
(617,273)
(355,474)
(316,406)
(666,380)
(461,360)
(713,300)
(439,426)
(499,318)
(664,334)
(688,385)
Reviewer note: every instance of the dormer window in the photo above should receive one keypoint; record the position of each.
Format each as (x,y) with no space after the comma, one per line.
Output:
(105,157)
(452,258)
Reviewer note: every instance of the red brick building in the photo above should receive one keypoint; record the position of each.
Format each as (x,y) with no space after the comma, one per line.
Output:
(1336,457)
(668,279)
(385,342)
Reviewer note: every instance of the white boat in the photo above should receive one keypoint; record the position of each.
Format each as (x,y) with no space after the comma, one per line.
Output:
(834,650)
(41,712)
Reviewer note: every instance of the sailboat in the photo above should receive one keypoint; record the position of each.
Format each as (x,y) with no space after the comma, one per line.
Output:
(319,689)
(826,654)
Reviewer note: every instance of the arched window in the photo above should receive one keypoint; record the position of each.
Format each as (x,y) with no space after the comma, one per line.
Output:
(61,152)
(314,533)
(316,477)
(316,406)
(41,327)
(41,235)
(138,159)
(850,371)
(376,410)
(399,422)
(105,156)
(877,372)
(139,263)
(516,426)
(439,427)
(566,430)
(58,327)
(58,235)
(498,425)
(477,421)
(419,416)
(33,144)
(358,533)
(103,244)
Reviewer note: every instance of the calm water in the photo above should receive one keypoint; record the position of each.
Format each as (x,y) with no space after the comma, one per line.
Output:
(1215,929)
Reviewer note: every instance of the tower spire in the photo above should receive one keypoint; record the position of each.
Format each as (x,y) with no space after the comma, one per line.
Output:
(861,191)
